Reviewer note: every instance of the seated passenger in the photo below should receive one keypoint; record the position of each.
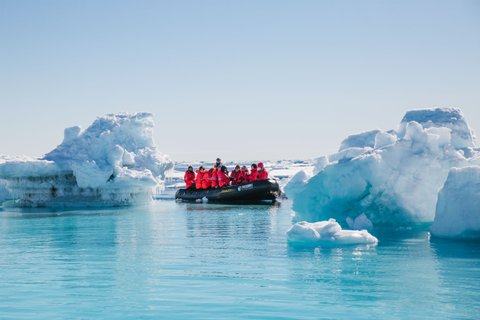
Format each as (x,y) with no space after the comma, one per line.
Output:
(262,173)
(243,176)
(214,177)
(223,179)
(189,178)
(235,175)
(253,173)
(198,180)
(206,181)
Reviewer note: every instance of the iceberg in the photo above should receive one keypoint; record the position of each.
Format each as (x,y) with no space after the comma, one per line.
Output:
(326,233)
(392,177)
(458,207)
(113,162)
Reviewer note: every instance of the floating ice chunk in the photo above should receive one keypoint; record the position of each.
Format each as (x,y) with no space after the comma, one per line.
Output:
(458,207)
(113,162)
(397,182)
(326,233)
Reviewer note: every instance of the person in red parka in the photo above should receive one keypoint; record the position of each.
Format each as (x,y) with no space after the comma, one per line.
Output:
(243,176)
(235,175)
(189,178)
(223,179)
(206,182)
(199,178)
(262,173)
(214,177)
(253,173)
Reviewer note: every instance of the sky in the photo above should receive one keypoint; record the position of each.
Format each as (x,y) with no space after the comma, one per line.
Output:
(243,80)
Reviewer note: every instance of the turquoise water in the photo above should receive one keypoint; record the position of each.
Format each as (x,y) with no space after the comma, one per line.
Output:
(200,261)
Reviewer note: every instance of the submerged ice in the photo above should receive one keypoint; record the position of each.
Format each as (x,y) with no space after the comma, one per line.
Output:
(113,162)
(389,177)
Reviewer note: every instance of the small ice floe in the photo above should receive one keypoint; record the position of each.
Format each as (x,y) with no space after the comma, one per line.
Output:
(327,233)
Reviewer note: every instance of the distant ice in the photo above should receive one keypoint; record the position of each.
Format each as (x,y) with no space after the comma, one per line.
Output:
(327,233)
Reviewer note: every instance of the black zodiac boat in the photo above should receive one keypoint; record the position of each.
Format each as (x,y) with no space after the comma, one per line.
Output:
(251,192)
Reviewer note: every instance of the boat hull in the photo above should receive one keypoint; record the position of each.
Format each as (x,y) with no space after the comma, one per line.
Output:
(252,192)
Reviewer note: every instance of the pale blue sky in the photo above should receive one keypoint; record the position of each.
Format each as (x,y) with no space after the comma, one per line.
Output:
(241,80)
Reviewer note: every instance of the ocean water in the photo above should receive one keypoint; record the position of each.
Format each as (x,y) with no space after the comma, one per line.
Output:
(199,261)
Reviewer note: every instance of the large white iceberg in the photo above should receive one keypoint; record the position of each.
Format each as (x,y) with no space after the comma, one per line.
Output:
(392,177)
(458,207)
(113,162)
(326,233)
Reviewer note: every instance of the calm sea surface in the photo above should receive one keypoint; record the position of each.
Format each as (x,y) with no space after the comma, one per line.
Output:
(200,261)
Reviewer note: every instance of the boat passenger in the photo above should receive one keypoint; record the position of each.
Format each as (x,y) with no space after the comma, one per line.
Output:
(214,177)
(198,180)
(223,179)
(218,163)
(189,178)
(206,181)
(262,173)
(253,173)
(243,176)
(235,175)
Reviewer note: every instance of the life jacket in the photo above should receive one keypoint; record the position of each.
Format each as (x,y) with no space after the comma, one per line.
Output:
(223,179)
(189,179)
(214,178)
(198,180)
(234,175)
(206,180)
(262,174)
(253,175)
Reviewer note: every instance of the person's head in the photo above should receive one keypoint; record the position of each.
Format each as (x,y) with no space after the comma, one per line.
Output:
(254,166)
(260,166)
(211,170)
(244,168)
(237,168)
(218,160)
(202,168)
(190,168)
(223,169)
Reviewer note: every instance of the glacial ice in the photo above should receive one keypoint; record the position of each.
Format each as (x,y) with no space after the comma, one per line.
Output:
(458,207)
(113,162)
(390,177)
(326,233)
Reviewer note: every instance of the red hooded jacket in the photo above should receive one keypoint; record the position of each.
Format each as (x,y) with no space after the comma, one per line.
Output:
(214,178)
(198,180)
(262,173)
(223,179)
(189,178)
(235,175)
(206,180)
(243,176)
(253,175)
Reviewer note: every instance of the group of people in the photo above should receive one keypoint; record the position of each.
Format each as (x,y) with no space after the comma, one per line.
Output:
(218,177)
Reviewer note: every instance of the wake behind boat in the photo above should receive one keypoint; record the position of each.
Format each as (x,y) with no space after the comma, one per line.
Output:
(257,191)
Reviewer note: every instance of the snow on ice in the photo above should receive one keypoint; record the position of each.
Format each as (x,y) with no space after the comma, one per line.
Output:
(113,162)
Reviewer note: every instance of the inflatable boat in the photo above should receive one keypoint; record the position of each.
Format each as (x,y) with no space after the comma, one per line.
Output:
(251,192)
